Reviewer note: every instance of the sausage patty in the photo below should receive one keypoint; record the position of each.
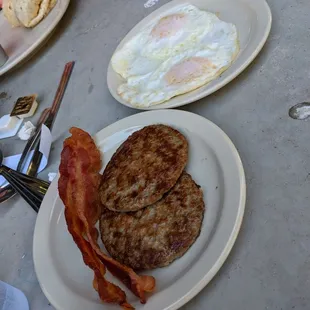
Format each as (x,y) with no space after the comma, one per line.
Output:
(157,235)
(144,168)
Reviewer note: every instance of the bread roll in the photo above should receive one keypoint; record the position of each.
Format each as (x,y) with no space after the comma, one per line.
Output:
(9,13)
(31,12)
(27,13)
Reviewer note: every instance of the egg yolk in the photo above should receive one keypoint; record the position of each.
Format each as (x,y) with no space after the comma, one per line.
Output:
(168,26)
(188,70)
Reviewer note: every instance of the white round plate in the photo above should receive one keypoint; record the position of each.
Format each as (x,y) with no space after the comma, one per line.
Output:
(253,21)
(214,164)
(20,43)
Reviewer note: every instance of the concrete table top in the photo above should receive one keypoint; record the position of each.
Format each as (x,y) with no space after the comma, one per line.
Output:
(269,267)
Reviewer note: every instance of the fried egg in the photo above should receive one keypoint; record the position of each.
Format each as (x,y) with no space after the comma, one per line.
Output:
(178,52)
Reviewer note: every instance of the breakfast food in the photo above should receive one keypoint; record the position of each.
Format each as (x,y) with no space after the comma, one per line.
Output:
(78,188)
(144,168)
(9,13)
(152,212)
(26,13)
(176,53)
(157,235)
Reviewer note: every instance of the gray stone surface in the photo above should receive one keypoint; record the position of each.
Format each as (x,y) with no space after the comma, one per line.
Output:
(269,267)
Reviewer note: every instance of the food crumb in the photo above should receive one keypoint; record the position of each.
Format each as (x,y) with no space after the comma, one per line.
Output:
(150,3)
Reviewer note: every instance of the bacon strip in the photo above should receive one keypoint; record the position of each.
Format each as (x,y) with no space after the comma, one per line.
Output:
(78,188)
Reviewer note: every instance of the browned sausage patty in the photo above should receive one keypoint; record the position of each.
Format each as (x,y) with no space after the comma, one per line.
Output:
(159,234)
(144,168)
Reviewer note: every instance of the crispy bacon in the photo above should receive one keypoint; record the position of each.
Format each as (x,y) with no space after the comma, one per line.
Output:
(78,188)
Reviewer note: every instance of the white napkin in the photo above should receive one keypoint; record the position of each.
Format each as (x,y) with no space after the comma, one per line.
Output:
(45,147)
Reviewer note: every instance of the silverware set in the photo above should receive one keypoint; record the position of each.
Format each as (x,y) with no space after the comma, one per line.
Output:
(30,188)
(27,185)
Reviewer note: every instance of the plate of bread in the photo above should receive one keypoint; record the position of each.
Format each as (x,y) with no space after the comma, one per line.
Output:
(25,25)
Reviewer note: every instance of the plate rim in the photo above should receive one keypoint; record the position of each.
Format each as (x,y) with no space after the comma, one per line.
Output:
(203,94)
(228,244)
(6,68)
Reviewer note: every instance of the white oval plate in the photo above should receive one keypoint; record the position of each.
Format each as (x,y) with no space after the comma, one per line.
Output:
(253,21)
(214,164)
(20,43)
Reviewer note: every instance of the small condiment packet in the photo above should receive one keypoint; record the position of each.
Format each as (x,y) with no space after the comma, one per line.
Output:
(25,106)
(9,126)
(26,131)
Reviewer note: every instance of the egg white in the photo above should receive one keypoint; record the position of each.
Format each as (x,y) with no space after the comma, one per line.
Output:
(186,45)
